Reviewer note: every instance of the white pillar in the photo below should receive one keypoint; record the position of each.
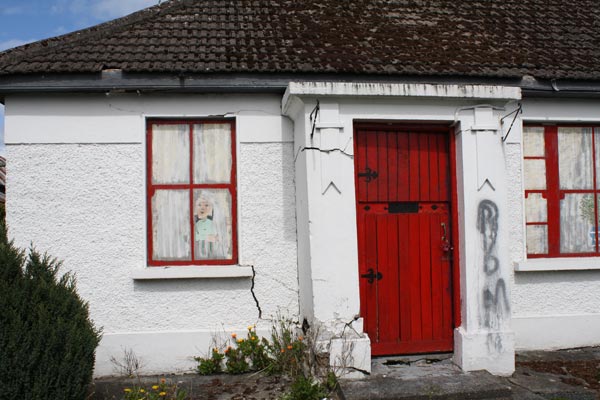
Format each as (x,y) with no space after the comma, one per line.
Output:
(326,220)
(485,339)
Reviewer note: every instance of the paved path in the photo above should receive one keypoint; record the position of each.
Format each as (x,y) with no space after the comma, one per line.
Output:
(436,377)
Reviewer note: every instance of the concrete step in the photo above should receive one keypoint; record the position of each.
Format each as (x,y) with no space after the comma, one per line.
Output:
(467,386)
(436,378)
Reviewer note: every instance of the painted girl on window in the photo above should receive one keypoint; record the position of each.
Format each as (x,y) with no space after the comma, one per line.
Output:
(210,228)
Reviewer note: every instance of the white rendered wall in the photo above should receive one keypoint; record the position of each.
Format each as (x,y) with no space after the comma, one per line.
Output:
(556,302)
(77,191)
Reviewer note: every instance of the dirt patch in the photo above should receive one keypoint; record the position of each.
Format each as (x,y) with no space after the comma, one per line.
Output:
(253,386)
(579,373)
(215,387)
(250,387)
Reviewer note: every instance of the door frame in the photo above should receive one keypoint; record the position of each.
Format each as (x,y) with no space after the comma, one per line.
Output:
(443,127)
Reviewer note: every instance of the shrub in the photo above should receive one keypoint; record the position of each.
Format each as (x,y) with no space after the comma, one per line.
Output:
(47,341)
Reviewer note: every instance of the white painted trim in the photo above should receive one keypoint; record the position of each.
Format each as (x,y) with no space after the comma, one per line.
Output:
(329,125)
(357,89)
(164,352)
(558,264)
(551,332)
(558,120)
(193,272)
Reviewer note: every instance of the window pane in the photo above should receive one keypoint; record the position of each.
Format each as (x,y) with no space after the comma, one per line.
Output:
(535,174)
(170,154)
(575,158)
(588,214)
(212,153)
(575,223)
(533,142)
(536,209)
(597,145)
(212,224)
(537,239)
(171,225)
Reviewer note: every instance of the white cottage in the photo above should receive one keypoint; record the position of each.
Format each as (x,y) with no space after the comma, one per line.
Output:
(412,177)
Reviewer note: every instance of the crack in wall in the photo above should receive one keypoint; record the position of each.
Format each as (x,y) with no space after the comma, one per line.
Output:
(302,149)
(254,294)
(283,284)
(349,325)
(358,370)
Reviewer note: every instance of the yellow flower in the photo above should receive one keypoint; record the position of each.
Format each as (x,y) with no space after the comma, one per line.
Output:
(250,327)
(162,394)
(127,390)
(155,387)
(240,340)
(234,335)
(215,350)
(142,391)
(253,337)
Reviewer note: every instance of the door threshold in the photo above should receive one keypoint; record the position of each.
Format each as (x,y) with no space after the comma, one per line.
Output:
(412,359)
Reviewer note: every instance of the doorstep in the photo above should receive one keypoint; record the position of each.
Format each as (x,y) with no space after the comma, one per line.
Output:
(435,377)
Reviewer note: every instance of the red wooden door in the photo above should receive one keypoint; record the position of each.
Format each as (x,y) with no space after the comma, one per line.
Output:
(404,238)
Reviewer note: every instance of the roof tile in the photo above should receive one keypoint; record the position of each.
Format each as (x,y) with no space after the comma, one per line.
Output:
(510,38)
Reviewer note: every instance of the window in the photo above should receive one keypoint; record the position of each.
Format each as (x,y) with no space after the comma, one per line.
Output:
(191,193)
(562,188)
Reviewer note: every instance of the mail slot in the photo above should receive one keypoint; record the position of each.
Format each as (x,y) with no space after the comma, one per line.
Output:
(397,207)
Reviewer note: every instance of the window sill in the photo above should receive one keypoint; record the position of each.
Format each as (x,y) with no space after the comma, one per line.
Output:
(193,272)
(558,264)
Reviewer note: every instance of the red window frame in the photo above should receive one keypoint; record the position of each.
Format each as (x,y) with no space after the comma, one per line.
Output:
(151,188)
(553,193)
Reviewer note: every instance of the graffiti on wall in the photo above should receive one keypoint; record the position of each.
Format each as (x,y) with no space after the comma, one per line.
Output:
(494,302)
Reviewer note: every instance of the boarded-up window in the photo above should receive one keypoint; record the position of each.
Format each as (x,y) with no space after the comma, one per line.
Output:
(191,193)
(561,167)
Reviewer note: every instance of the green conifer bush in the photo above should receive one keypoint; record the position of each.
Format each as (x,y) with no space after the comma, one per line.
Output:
(47,341)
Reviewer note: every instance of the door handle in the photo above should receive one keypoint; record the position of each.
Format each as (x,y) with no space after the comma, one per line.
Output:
(371,275)
(446,245)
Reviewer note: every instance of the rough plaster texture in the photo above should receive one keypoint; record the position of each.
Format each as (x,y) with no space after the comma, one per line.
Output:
(87,208)
(85,204)
(268,224)
(556,293)
(554,305)
(514,174)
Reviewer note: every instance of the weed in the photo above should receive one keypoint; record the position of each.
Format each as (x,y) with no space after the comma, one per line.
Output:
(128,365)
(160,391)
(305,389)
(286,353)
(212,365)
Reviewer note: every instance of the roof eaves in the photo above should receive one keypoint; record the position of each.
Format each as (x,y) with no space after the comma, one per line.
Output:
(116,80)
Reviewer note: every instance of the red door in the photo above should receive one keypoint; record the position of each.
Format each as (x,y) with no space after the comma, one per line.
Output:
(404,237)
